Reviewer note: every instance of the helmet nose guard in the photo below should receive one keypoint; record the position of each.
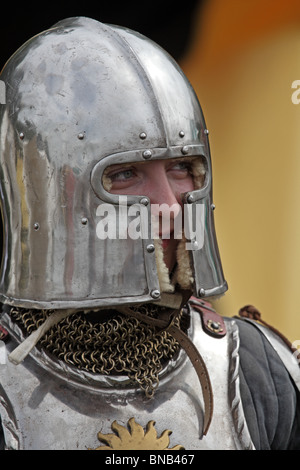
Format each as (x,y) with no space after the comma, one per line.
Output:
(80,96)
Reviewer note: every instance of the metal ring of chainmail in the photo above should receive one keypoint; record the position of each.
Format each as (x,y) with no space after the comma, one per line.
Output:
(115,345)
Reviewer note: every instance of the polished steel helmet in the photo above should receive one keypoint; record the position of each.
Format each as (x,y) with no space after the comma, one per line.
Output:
(80,97)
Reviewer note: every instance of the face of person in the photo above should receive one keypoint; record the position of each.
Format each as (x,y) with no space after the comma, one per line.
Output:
(163,182)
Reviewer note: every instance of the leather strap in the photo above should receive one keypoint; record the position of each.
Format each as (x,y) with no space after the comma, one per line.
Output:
(201,370)
(212,323)
(166,323)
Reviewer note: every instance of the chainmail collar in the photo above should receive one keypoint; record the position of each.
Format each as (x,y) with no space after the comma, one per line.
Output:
(107,342)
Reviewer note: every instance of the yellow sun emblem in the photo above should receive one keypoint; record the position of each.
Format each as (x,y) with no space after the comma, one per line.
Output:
(135,438)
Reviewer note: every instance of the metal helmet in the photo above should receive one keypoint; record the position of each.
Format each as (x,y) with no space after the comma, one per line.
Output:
(80,97)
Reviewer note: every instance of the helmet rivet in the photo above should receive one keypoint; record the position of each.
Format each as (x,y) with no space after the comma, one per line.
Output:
(190,199)
(185,150)
(143,135)
(195,245)
(155,294)
(147,154)
(144,201)
(206,131)
(202,292)
(80,135)
(214,326)
(22,135)
(84,220)
(150,248)
(181,134)
(212,207)
(36,226)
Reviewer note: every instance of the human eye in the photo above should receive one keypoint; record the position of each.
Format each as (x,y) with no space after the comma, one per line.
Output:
(180,168)
(121,175)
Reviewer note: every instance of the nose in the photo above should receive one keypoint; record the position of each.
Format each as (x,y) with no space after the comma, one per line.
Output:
(165,206)
(164,199)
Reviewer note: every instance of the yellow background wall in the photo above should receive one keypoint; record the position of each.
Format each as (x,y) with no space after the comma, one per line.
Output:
(244,56)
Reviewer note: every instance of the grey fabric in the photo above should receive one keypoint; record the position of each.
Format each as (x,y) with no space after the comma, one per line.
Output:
(270,400)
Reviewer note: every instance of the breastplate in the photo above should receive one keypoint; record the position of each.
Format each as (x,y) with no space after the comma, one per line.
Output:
(47,405)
